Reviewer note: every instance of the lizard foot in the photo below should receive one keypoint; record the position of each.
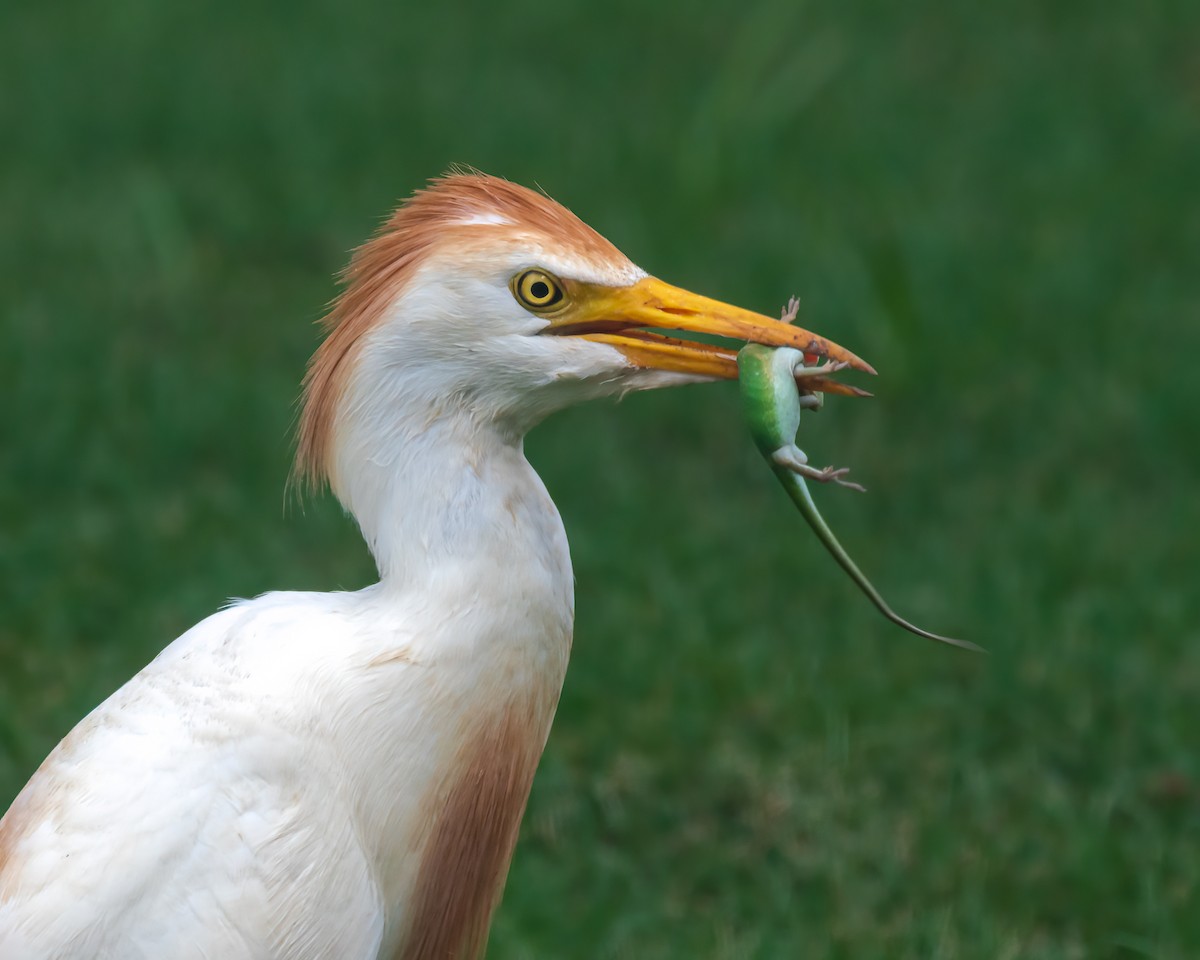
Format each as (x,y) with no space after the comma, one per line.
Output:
(796,460)
(831,475)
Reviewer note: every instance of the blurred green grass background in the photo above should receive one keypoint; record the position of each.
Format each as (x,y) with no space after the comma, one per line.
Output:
(996,204)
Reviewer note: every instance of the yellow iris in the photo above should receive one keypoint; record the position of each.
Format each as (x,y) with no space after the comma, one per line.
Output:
(537,290)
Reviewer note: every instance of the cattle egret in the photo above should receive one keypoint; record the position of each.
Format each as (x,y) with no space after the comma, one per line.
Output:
(321,775)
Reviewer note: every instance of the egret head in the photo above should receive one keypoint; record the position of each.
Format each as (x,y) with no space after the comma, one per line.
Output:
(485,301)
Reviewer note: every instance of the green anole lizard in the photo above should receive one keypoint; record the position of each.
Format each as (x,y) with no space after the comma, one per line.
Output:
(772,397)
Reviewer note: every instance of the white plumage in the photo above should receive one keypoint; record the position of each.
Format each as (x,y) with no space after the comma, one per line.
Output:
(311,775)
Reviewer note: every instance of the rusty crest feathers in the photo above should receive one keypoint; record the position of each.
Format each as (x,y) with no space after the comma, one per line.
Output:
(451,208)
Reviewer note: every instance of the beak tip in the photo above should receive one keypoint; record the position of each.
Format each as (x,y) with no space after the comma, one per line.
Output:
(825,348)
(858,363)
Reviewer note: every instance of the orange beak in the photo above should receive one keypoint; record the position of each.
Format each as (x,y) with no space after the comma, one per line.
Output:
(627,318)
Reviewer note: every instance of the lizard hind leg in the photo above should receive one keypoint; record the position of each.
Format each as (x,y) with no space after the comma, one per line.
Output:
(795,459)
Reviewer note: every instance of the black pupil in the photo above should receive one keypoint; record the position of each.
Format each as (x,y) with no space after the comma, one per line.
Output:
(539,290)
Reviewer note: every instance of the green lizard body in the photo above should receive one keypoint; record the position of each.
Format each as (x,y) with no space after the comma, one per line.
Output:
(772,402)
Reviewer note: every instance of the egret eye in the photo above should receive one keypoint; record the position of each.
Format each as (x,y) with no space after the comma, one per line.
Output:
(537,290)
